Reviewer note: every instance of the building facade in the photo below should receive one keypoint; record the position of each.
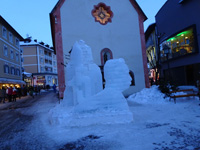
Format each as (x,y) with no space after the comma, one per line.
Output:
(181,29)
(10,55)
(151,52)
(40,60)
(108,29)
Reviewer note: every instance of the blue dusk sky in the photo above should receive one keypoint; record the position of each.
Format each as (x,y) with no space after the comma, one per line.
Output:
(31,17)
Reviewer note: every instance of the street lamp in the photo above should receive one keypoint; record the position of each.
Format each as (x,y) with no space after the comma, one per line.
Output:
(166,50)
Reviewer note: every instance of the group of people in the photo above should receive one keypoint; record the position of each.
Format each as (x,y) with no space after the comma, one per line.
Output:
(34,90)
(11,93)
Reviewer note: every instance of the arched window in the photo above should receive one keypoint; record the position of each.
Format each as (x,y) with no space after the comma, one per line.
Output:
(6,69)
(132,77)
(106,54)
(17,72)
(12,70)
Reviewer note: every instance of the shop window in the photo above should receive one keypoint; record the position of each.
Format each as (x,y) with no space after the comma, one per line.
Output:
(182,43)
(102,13)
(106,54)
(6,69)
(132,77)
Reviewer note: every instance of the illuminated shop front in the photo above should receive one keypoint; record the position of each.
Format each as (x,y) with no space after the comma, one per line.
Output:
(11,83)
(182,43)
(180,67)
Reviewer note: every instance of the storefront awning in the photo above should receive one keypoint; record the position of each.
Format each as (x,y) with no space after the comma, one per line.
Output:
(27,74)
(11,81)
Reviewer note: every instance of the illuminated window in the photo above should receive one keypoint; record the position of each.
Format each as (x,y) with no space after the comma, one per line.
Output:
(102,13)
(182,43)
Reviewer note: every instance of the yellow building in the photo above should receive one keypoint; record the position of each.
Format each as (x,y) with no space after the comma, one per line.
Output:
(40,60)
(10,55)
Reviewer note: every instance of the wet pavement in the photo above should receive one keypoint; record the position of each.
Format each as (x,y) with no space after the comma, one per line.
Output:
(15,126)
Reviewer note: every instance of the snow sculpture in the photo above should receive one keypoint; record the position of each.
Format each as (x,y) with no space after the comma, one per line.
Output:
(83,77)
(116,74)
(85,102)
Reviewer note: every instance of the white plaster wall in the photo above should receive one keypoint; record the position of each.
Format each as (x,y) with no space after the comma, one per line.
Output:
(121,36)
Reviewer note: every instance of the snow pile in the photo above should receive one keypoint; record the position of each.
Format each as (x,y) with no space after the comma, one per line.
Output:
(148,96)
(85,103)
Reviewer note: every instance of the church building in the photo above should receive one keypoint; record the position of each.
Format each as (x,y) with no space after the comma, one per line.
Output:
(113,29)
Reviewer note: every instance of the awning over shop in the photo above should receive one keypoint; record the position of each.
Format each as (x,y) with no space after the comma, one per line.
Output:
(11,81)
(27,74)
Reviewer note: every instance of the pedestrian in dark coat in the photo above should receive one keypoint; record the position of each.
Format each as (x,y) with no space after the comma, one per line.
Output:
(19,92)
(3,94)
(14,94)
(31,92)
(54,88)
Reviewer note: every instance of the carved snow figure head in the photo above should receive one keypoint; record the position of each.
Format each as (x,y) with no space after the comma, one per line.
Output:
(116,74)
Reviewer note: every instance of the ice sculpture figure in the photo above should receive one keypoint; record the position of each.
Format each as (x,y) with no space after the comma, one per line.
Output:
(83,77)
(85,102)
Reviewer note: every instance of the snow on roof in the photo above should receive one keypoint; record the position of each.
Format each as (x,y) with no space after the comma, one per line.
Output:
(32,42)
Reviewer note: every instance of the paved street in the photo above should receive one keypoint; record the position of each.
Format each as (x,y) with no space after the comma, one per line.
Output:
(14,125)
(24,125)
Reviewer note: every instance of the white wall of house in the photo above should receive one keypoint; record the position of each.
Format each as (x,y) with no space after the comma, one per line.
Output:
(122,36)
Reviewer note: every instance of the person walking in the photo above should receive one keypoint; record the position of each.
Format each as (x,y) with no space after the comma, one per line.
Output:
(9,93)
(3,94)
(31,92)
(14,94)
(54,88)
(36,90)
(39,88)
(19,92)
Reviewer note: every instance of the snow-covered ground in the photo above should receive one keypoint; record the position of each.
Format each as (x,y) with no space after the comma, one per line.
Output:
(157,124)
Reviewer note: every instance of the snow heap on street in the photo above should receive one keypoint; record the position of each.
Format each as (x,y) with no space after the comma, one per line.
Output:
(148,96)
(85,103)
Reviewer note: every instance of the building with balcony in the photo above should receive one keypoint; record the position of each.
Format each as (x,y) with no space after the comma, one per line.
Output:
(10,55)
(40,60)
(177,20)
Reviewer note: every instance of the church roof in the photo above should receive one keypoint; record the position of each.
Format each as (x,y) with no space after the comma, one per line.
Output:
(60,3)
(133,2)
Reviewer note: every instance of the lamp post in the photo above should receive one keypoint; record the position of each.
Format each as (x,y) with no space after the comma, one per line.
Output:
(166,50)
